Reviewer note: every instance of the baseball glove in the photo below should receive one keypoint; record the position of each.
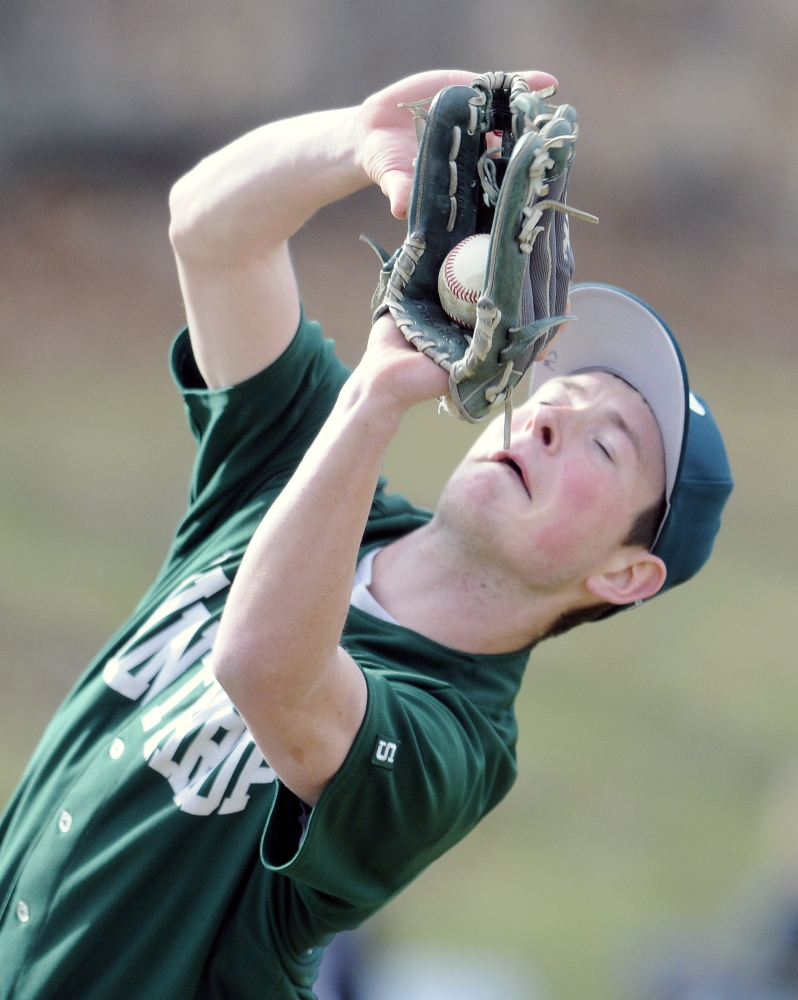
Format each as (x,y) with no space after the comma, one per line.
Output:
(516,193)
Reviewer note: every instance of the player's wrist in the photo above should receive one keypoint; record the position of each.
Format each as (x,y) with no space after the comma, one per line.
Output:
(393,375)
(367,403)
(355,133)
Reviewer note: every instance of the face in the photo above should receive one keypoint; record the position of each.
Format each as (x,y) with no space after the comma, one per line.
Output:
(586,458)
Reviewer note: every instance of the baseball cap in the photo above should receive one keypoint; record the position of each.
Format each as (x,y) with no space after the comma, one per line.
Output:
(618,333)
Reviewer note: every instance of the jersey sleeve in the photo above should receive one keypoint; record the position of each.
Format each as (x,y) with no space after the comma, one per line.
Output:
(425,767)
(251,436)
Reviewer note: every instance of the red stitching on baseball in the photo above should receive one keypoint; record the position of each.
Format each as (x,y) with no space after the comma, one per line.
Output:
(467,295)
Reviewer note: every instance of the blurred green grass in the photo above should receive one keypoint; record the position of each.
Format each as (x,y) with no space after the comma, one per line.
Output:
(95,474)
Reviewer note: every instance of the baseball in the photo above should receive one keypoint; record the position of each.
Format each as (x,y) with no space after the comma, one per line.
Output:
(461,279)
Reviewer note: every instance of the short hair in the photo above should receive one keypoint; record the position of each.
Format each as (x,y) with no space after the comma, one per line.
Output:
(643,533)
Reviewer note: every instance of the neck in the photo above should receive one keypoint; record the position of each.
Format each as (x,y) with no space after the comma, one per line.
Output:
(430,584)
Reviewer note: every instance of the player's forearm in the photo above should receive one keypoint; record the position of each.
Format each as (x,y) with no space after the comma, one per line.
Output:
(277,652)
(255,193)
(231,219)
(288,604)
(287,607)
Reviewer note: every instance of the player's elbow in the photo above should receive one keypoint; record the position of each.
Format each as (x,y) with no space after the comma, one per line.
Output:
(195,224)
(232,668)
(182,224)
(246,671)
(225,672)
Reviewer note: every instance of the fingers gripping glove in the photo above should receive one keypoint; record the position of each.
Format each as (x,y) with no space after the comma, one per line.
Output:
(517,195)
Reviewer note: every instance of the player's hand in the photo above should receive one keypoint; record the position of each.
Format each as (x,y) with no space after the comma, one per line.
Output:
(387,143)
(393,372)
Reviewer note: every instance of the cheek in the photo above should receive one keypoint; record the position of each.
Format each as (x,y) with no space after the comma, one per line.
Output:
(585,493)
(587,515)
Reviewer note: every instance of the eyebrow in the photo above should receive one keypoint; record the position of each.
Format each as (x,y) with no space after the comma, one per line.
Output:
(574,386)
(617,420)
(613,416)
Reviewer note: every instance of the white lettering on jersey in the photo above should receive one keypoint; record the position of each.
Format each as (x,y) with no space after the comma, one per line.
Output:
(162,657)
(218,744)
(197,740)
(385,751)
(255,772)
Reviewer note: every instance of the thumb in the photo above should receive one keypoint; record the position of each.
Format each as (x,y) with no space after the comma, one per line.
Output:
(396,187)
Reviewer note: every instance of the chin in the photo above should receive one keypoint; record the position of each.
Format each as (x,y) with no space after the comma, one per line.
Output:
(472,501)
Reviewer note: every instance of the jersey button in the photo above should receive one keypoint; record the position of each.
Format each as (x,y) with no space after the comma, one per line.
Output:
(23,913)
(64,822)
(117,748)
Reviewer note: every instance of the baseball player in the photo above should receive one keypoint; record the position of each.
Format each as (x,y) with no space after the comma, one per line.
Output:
(314,700)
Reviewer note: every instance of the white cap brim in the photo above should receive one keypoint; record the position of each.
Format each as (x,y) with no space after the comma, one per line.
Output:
(617,333)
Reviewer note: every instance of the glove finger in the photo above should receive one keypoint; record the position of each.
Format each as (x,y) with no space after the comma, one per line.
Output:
(443,203)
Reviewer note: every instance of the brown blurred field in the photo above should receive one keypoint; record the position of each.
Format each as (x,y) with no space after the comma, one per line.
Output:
(647,742)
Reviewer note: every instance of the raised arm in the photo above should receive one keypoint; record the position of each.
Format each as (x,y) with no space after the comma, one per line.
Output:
(233,214)
(277,652)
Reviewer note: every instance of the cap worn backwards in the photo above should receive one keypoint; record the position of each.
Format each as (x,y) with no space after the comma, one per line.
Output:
(618,333)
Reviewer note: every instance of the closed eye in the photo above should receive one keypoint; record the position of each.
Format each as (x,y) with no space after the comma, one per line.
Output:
(606,452)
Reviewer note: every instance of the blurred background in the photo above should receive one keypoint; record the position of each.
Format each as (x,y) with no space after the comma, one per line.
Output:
(653,746)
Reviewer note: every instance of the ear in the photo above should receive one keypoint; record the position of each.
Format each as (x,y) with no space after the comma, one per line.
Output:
(634,577)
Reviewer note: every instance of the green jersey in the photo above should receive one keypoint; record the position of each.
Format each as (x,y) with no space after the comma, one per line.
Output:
(150,851)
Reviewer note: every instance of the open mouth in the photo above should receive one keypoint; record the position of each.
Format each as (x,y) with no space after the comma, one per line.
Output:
(516,468)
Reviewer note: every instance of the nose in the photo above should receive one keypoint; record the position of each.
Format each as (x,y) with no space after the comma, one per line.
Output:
(546,430)
(548,425)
